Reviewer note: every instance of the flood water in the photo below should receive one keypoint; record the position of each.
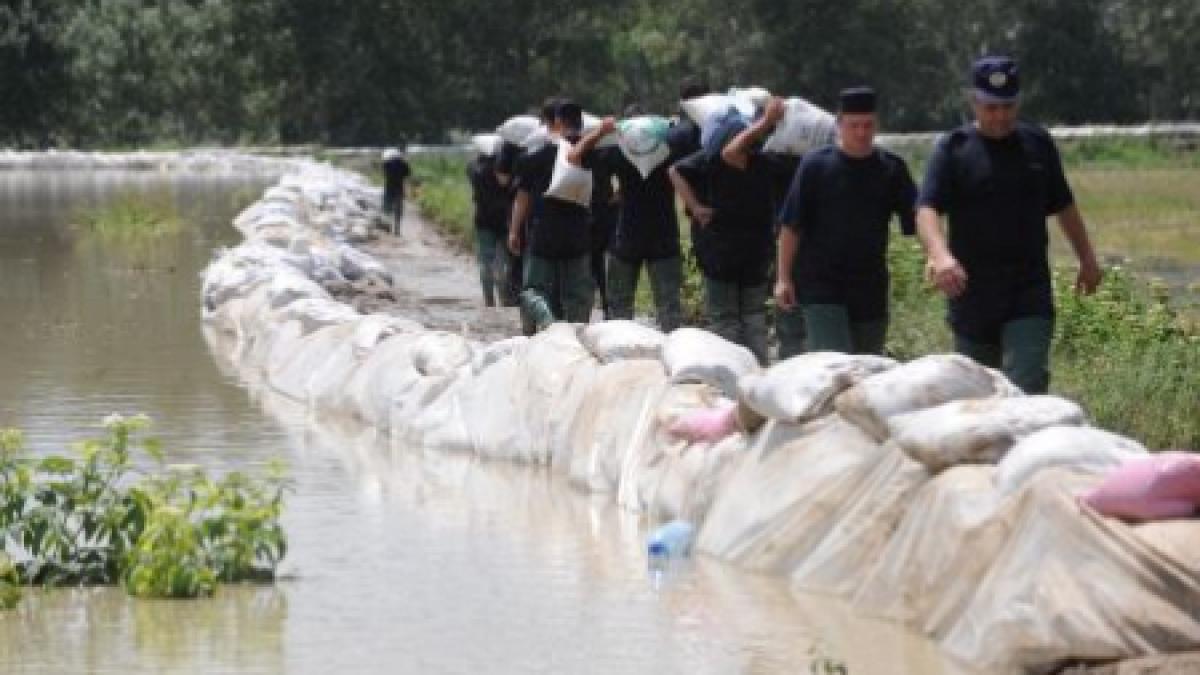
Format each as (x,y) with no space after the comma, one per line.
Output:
(400,561)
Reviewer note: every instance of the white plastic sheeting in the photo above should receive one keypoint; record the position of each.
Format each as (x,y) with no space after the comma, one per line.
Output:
(1007,572)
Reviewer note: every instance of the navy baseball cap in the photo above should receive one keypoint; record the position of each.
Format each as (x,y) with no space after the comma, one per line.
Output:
(857,100)
(994,79)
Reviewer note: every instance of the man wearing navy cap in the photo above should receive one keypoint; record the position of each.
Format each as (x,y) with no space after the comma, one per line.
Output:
(832,264)
(997,180)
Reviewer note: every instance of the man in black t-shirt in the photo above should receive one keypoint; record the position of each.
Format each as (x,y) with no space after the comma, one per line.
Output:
(492,206)
(998,180)
(395,172)
(558,282)
(729,195)
(834,236)
(647,234)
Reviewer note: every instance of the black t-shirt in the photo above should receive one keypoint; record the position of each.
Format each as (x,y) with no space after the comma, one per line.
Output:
(506,158)
(997,195)
(395,171)
(840,206)
(492,200)
(603,206)
(647,227)
(557,228)
(737,245)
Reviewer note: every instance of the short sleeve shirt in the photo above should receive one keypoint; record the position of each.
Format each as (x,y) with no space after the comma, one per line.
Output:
(647,226)
(557,228)
(492,200)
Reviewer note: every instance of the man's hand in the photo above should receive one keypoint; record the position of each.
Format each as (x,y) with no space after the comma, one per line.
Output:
(703,214)
(785,294)
(608,125)
(1089,277)
(774,111)
(947,275)
(514,243)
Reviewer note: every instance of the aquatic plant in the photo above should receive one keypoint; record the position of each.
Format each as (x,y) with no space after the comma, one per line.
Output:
(133,216)
(96,517)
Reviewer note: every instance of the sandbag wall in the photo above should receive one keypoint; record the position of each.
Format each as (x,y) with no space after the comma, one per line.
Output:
(932,492)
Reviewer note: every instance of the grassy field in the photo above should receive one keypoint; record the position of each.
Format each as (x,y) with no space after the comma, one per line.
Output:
(1128,356)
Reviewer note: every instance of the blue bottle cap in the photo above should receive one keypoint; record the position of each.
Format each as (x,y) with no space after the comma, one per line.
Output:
(657,548)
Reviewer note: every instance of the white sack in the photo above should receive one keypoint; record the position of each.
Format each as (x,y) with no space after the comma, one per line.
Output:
(804,127)
(643,141)
(921,383)
(1082,449)
(703,109)
(487,145)
(440,353)
(288,287)
(491,353)
(590,124)
(757,96)
(619,339)
(290,373)
(315,313)
(570,183)
(803,387)
(977,431)
(517,128)
(695,355)
(537,139)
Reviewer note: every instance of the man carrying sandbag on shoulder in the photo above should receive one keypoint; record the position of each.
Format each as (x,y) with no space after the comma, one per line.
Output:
(727,187)
(997,180)
(558,282)
(833,241)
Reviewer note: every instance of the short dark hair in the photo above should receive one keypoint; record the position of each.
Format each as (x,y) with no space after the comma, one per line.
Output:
(693,86)
(569,113)
(550,108)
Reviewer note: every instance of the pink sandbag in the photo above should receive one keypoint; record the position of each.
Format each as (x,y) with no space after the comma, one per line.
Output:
(1166,485)
(706,424)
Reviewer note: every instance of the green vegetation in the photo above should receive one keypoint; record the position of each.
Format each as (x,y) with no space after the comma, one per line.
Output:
(133,217)
(172,73)
(1124,354)
(94,517)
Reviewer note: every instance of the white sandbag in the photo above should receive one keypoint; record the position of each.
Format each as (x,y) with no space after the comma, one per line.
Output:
(1070,584)
(703,109)
(353,264)
(440,353)
(689,478)
(804,127)
(315,313)
(643,141)
(489,354)
(757,96)
(287,287)
(921,383)
(290,373)
(1081,449)
(537,139)
(695,355)
(375,383)
(517,128)
(569,183)
(619,339)
(803,387)
(977,431)
(785,497)
(487,145)
(590,124)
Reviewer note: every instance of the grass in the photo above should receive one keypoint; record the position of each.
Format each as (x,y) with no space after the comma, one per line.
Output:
(134,216)
(1126,354)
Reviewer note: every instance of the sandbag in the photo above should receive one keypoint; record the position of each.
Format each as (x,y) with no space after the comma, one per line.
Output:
(695,355)
(977,431)
(804,127)
(440,353)
(516,129)
(1155,487)
(537,139)
(290,373)
(288,287)
(386,371)
(757,96)
(921,383)
(486,145)
(1082,449)
(491,353)
(703,109)
(619,339)
(803,387)
(784,498)
(569,183)
(315,313)
(643,141)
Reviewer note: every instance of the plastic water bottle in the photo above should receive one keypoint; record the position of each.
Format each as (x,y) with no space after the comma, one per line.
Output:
(670,541)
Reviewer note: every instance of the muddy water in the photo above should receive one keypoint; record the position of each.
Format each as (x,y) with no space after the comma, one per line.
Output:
(400,560)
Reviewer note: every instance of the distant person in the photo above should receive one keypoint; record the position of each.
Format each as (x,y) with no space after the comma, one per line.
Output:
(493,203)
(997,180)
(395,172)
(832,264)
(558,282)
(646,237)
(728,190)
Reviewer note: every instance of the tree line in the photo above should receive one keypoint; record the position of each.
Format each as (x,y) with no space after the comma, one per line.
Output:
(124,73)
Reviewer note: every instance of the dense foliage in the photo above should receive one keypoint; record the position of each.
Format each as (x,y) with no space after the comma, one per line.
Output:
(95,517)
(107,73)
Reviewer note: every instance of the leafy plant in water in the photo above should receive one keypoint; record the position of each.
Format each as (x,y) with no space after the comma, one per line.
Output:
(97,519)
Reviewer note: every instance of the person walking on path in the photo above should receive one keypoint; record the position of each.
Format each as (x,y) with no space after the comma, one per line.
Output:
(997,180)
(832,265)
(395,172)
(493,202)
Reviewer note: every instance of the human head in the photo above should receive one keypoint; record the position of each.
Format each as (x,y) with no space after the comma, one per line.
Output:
(568,117)
(549,107)
(692,87)
(390,154)
(857,120)
(995,95)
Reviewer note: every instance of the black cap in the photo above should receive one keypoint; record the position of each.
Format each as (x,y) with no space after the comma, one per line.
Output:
(995,80)
(857,100)
(570,114)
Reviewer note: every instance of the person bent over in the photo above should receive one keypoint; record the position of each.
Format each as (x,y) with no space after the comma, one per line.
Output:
(833,242)
(997,180)
(492,207)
